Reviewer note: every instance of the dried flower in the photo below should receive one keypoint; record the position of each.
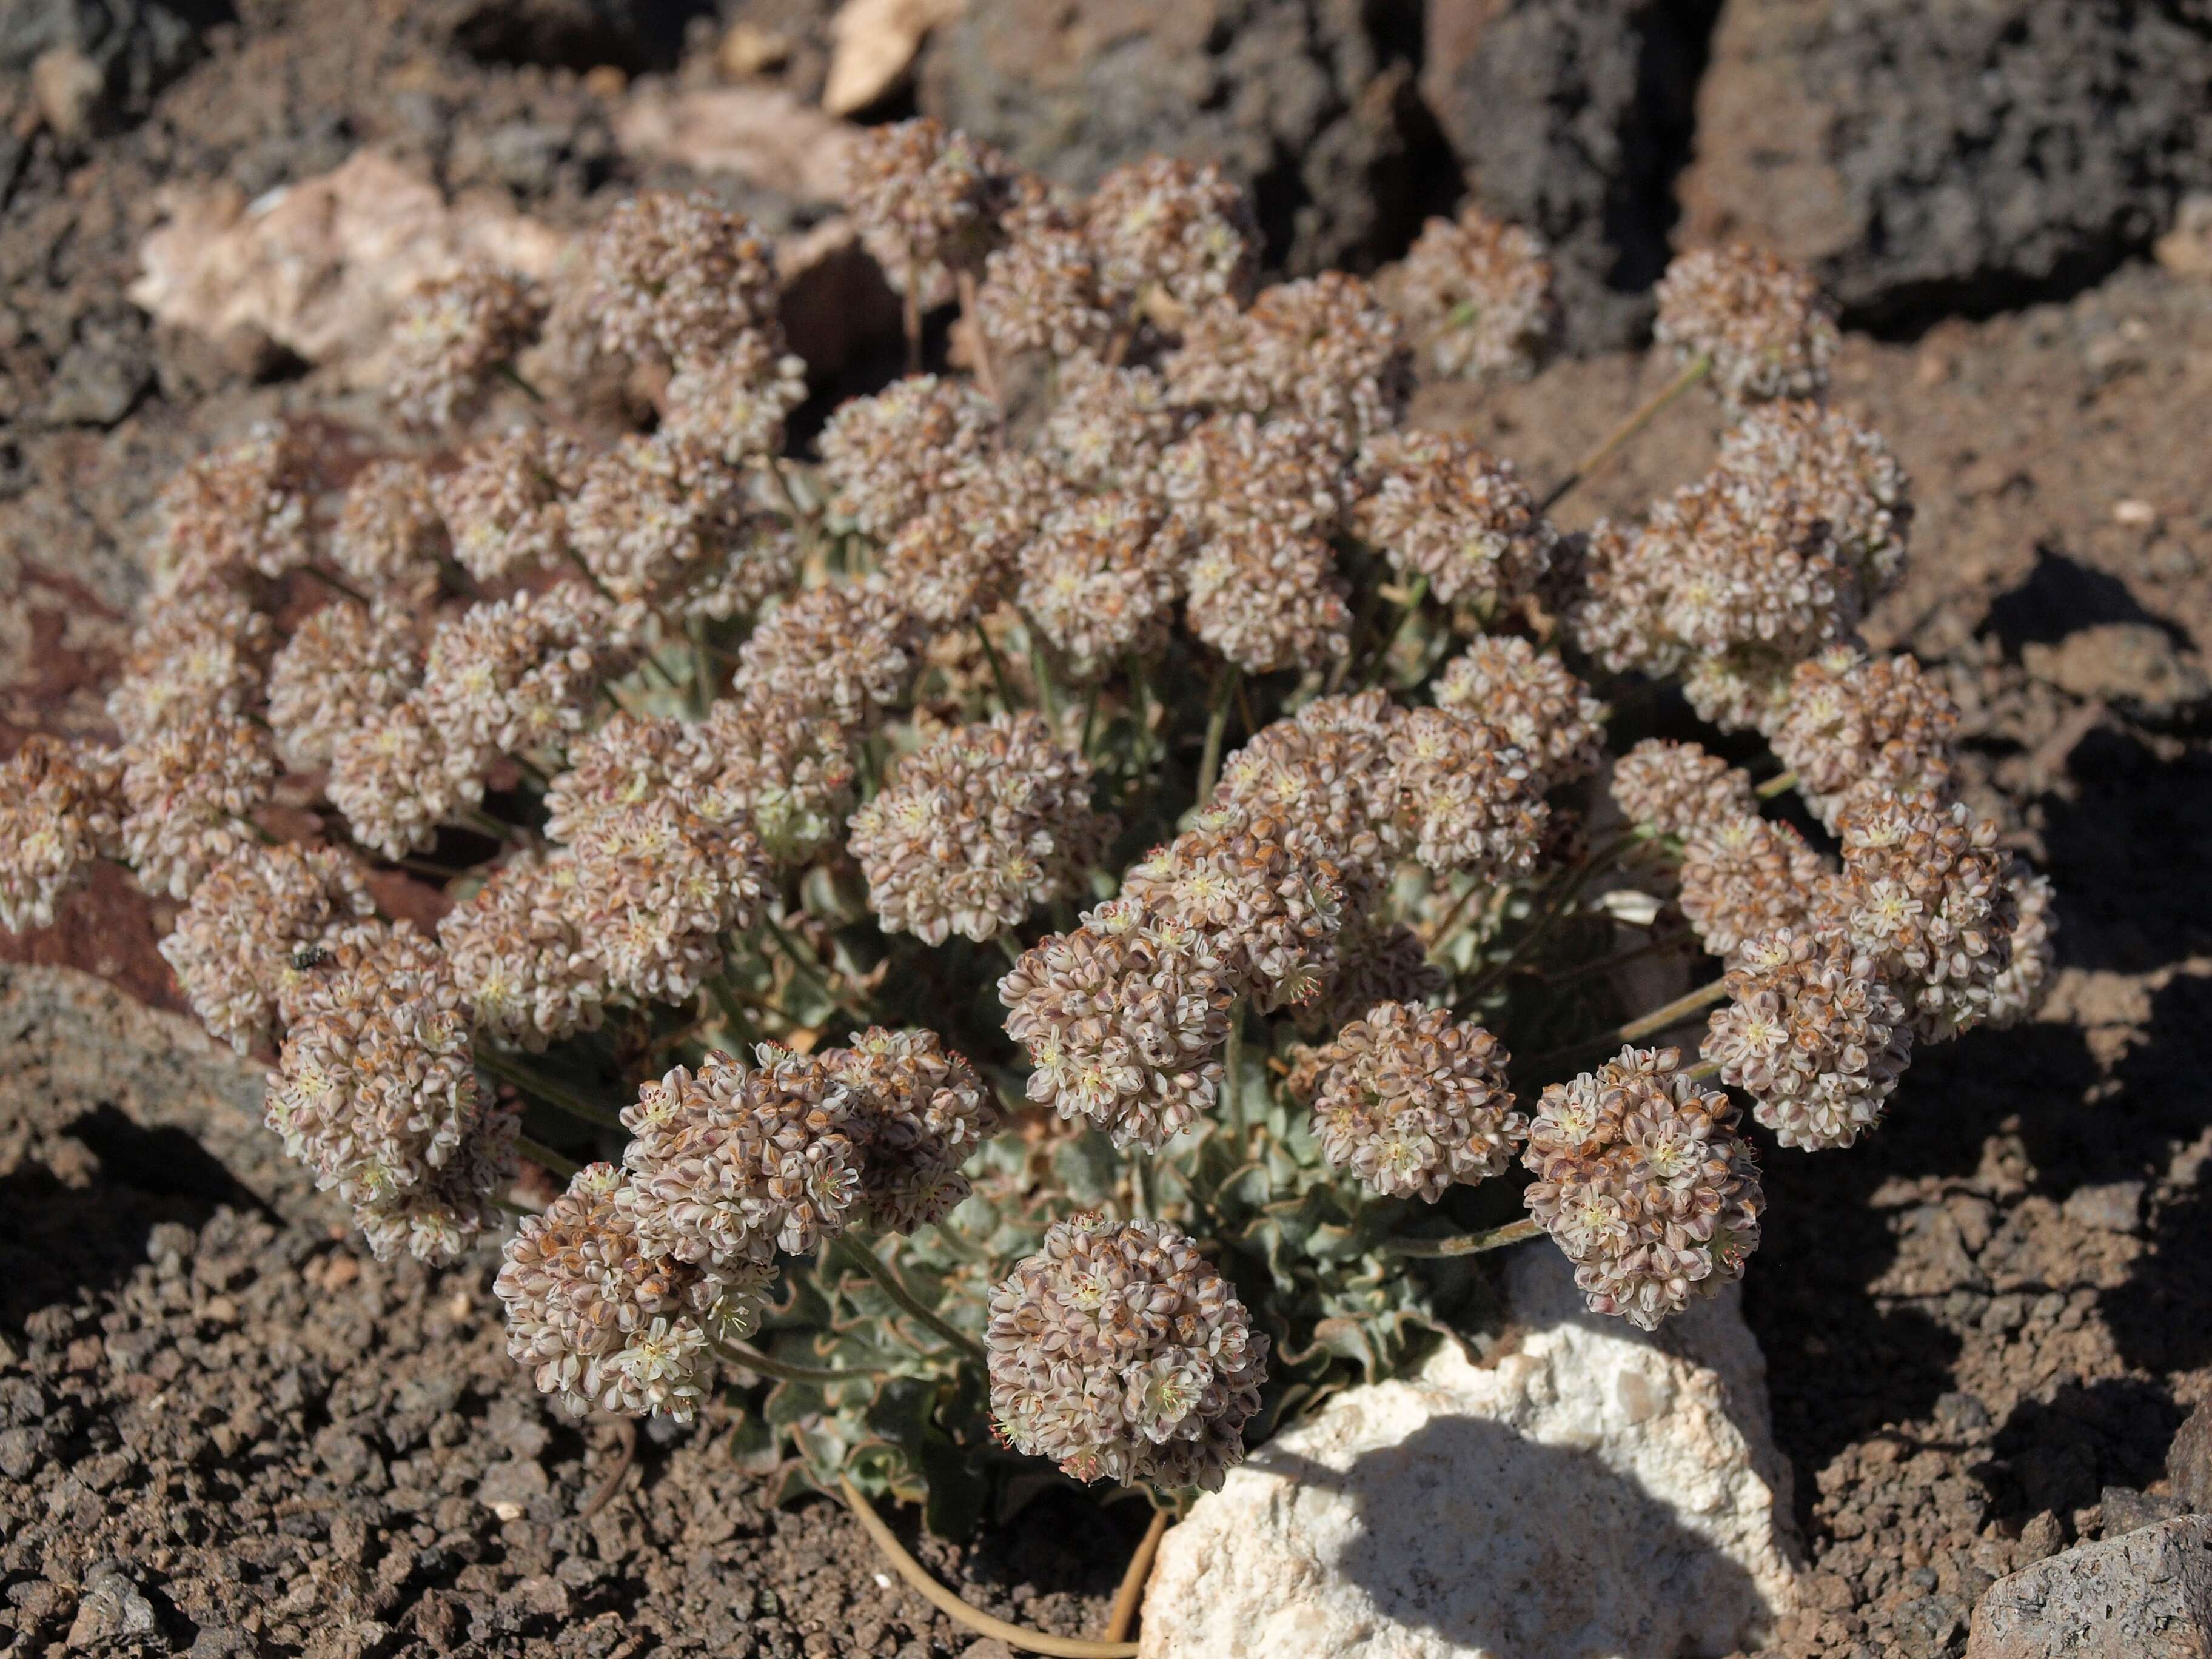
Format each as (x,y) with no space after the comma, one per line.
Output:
(1443,508)
(1322,348)
(1740,690)
(1855,726)
(395,780)
(1841,470)
(505,505)
(1644,1182)
(517,674)
(59,809)
(1813,1034)
(1745,565)
(1120,1353)
(1476,297)
(239,513)
(1742,877)
(846,652)
(1543,710)
(927,201)
(1676,787)
(1325,769)
(188,791)
(238,946)
(198,654)
(451,338)
(1109,427)
(519,954)
(1233,472)
(785,768)
(916,1112)
(652,513)
(391,539)
(1167,231)
(1270,599)
(675,279)
(658,884)
(600,1322)
(727,1166)
(344,668)
(1410,1100)
(885,457)
(1764,323)
(955,560)
(977,828)
(1040,290)
(2019,990)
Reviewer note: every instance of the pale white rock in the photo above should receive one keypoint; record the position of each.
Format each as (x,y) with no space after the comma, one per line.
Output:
(872,44)
(1589,1493)
(763,134)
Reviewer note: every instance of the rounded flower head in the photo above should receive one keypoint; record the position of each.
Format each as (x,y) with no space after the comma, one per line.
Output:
(1475,295)
(927,201)
(846,652)
(977,828)
(239,947)
(1101,581)
(239,513)
(1744,876)
(1739,564)
(959,557)
(1441,508)
(1764,323)
(505,505)
(1543,709)
(59,810)
(1326,770)
(1410,1101)
(1322,348)
(918,1111)
(1171,233)
(1855,726)
(1120,1353)
(732,404)
(1464,797)
(886,457)
(674,279)
(784,767)
(452,336)
(389,538)
(188,794)
(1842,471)
(602,1323)
(1109,427)
(376,1091)
(1270,599)
(1924,895)
(394,779)
(1678,787)
(728,1166)
(197,654)
(1040,290)
(2018,992)
(1234,472)
(1813,1034)
(658,884)
(344,669)
(1644,1182)
(519,954)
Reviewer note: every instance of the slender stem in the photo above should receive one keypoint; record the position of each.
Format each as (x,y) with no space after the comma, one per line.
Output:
(335,584)
(589,574)
(910,319)
(806,970)
(547,1158)
(1618,958)
(1370,602)
(1140,702)
(895,1287)
(514,377)
(725,998)
(1014,1636)
(1674,1012)
(1232,1062)
(1009,946)
(497,828)
(508,1206)
(742,1353)
(987,375)
(1441,934)
(702,667)
(1600,861)
(1775,785)
(1048,687)
(997,666)
(1414,595)
(1090,718)
(540,1088)
(1693,372)
(1140,1187)
(1513,1232)
(531,770)
(1217,727)
(1132,1593)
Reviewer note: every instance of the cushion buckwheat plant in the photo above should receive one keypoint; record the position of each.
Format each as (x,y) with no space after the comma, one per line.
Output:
(1052,932)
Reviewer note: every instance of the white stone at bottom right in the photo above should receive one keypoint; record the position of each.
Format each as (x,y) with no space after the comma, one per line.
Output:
(1590,1492)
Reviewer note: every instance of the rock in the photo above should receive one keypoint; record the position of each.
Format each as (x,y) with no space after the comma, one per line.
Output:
(2116,1206)
(108,57)
(632,36)
(100,375)
(2136,665)
(321,266)
(2186,250)
(111,1608)
(2124,1509)
(760,134)
(1299,101)
(1571,118)
(2146,1595)
(873,43)
(1931,158)
(1594,1491)
(2189,1460)
(508,1488)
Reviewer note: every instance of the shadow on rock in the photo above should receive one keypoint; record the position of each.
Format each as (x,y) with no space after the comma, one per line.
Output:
(2061,1455)
(2126,854)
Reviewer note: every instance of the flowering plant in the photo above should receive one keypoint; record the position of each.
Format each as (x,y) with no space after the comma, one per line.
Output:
(1054,929)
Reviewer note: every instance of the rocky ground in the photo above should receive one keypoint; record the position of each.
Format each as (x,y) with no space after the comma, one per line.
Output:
(225,1429)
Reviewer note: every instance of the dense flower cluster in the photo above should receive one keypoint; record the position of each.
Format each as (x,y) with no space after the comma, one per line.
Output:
(1644,1182)
(1764,324)
(1681,788)
(1120,1353)
(1475,294)
(452,336)
(59,812)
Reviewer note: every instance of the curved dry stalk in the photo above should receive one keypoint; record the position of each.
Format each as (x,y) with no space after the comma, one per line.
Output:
(1014,1636)
(626,1429)
(1132,1593)
(1513,1232)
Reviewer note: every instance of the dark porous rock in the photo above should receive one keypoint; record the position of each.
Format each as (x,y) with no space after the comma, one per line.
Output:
(1309,103)
(1571,118)
(2189,1460)
(1931,158)
(135,47)
(2145,1595)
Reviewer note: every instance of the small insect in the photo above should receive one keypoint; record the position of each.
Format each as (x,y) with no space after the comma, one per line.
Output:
(310,956)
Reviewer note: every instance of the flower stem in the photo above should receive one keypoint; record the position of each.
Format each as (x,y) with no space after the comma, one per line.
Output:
(1232,1062)
(807,971)
(741,1353)
(997,666)
(540,1088)
(547,1158)
(1414,595)
(1217,727)
(987,376)
(1775,785)
(1648,1026)
(1513,1232)
(334,583)
(1693,372)
(893,1287)
(514,377)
